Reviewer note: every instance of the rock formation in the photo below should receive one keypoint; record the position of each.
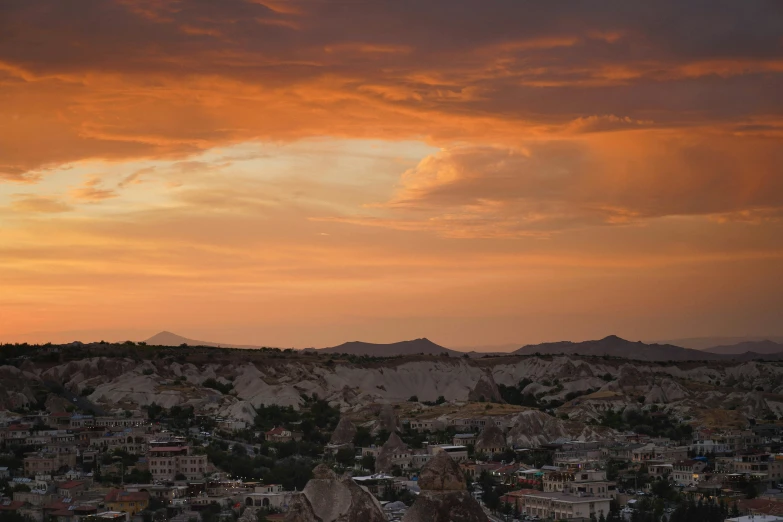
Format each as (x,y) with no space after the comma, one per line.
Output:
(250,514)
(491,440)
(344,432)
(444,496)
(711,393)
(486,389)
(393,446)
(533,428)
(329,498)
(387,419)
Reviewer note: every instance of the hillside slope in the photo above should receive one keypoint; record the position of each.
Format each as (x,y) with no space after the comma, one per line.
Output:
(759,347)
(171,339)
(414,347)
(614,346)
(582,388)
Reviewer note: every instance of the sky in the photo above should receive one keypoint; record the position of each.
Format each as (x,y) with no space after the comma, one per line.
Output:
(304,173)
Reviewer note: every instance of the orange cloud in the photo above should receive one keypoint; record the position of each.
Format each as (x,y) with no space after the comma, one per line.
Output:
(91,191)
(548,186)
(38,204)
(199,75)
(622,159)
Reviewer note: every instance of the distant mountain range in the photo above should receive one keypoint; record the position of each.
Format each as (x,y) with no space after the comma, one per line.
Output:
(617,347)
(761,347)
(612,345)
(172,339)
(705,343)
(413,347)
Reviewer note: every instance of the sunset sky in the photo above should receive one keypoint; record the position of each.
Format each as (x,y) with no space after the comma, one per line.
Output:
(303,173)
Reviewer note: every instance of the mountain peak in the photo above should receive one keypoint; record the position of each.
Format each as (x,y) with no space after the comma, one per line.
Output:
(166,338)
(410,347)
(615,346)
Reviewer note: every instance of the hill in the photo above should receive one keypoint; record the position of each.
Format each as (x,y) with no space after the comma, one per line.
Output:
(703,343)
(617,347)
(721,392)
(171,339)
(413,347)
(765,347)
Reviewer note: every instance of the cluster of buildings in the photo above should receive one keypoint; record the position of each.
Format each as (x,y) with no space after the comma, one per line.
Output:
(59,477)
(714,462)
(59,480)
(576,485)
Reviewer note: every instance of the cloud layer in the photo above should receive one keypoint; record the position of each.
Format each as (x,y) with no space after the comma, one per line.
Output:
(127,78)
(298,157)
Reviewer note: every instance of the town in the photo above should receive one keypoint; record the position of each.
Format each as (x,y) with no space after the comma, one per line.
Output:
(156,464)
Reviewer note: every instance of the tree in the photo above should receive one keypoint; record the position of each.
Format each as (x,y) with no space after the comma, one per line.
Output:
(211,512)
(154,411)
(368,462)
(12,516)
(156,503)
(139,477)
(363,437)
(345,457)
(413,398)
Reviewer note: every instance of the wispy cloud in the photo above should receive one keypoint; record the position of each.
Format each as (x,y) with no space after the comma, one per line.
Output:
(135,178)
(33,203)
(92,191)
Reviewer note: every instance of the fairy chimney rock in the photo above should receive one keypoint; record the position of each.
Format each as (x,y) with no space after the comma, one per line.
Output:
(344,433)
(444,496)
(329,498)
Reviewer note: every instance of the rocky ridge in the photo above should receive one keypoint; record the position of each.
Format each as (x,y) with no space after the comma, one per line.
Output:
(393,446)
(344,433)
(329,498)
(444,496)
(751,389)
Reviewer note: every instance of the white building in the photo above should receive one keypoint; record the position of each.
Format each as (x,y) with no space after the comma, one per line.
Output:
(166,462)
(545,504)
(269,495)
(457,453)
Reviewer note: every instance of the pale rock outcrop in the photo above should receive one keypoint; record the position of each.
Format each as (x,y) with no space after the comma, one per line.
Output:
(329,498)
(491,439)
(486,389)
(250,514)
(15,390)
(444,496)
(689,390)
(387,420)
(393,446)
(344,433)
(665,392)
(533,428)
(239,410)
